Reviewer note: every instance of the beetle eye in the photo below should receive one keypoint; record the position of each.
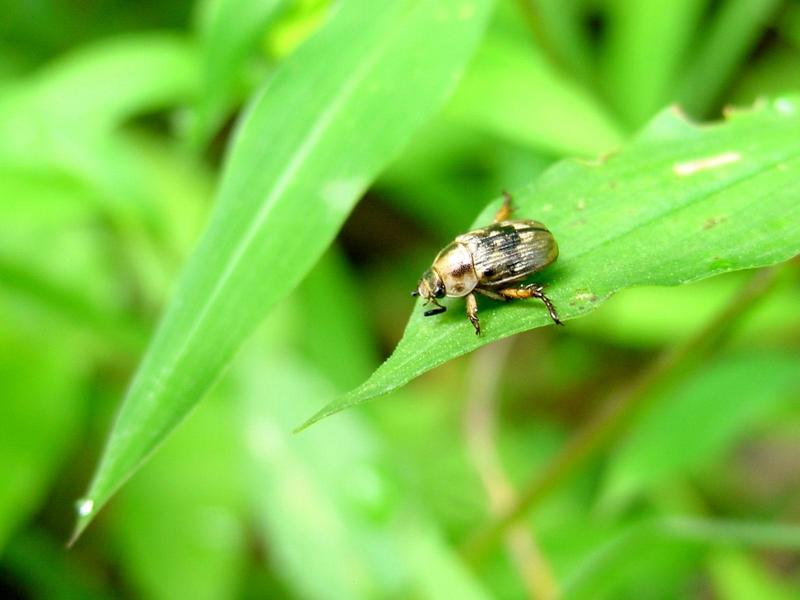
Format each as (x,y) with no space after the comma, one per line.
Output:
(415,293)
(439,292)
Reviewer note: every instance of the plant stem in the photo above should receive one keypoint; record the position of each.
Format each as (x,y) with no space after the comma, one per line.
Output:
(618,408)
(480,432)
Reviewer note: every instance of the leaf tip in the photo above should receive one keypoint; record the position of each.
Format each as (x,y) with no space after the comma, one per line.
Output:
(318,416)
(326,411)
(86,509)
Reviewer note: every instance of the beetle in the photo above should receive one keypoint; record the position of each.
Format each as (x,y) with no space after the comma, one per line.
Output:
(487,261)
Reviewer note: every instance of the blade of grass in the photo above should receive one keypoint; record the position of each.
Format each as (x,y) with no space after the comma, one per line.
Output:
(312,140)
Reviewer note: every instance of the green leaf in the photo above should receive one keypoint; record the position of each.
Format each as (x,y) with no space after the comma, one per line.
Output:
(84,244)
(561,30)
(736,575)
(378,541)
(300,160)
(302,492)
(36,562)
(510,90)
(97,88)
(610,557)
(726,42)
(650,316)
(646,45)
(59,125)
(697,421)
(40,415)
(677,204)
(179,526)
(341,324)
(231,32)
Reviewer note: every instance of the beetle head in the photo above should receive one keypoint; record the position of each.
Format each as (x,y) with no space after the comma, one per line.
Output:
(431,287)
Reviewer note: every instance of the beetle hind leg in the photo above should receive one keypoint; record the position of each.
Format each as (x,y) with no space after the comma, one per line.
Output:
(472,313)
(532,291)
(505,211)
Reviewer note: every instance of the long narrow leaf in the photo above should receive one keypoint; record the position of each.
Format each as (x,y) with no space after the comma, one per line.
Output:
(329,120)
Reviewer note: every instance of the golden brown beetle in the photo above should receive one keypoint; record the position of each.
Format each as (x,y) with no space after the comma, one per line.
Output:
(487,260)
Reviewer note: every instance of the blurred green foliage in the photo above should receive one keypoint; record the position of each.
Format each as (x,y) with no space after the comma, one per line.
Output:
(119,120)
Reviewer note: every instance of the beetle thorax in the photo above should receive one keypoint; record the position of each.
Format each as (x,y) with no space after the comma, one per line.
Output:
(454,265)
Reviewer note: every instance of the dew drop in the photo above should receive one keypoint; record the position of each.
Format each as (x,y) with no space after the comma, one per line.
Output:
(84,506)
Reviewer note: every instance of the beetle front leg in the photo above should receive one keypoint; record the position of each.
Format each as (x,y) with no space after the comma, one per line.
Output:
(532,291)
(472,313)
(505,211)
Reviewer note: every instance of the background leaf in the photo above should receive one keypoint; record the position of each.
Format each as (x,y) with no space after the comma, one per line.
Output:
(180,527)
(230,33)
(677,204)
(649,316)
(40,415)
(511,75)
(605,560)
(93,90)
(297,165)
(647,44)
(696,422)
(738,576)
(729,37)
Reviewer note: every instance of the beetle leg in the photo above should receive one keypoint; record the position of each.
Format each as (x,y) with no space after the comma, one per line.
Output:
(491,294)
(505,211)
(434,311)
(472,313)
(532,291)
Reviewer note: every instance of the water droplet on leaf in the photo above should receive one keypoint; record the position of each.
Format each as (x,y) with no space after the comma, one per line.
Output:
(84,506)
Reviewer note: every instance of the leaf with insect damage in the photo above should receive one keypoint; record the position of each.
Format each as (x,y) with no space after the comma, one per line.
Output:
(679,203)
